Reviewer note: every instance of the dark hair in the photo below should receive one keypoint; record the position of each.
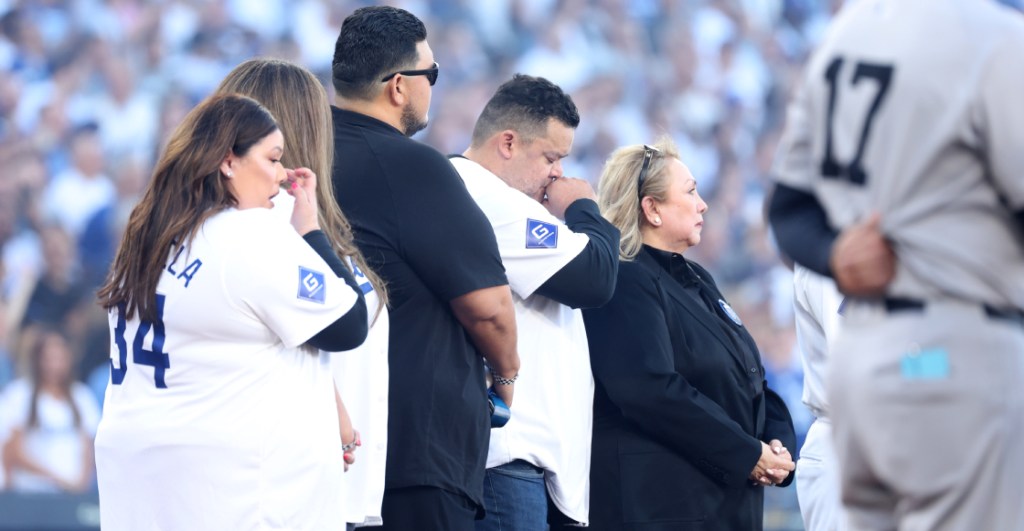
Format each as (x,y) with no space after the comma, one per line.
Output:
(187,188)
(525,104)
(44,335)
(374,42)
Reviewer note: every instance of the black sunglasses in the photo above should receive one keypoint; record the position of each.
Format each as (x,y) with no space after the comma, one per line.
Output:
(431,74)
(649,152)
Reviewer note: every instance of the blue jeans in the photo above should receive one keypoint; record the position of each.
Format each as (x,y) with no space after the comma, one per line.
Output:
(515,498)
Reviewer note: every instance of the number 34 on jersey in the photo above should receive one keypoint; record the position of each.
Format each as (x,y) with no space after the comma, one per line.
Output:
(154,356)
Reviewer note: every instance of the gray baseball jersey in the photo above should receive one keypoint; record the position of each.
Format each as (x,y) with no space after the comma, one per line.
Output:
(913,109)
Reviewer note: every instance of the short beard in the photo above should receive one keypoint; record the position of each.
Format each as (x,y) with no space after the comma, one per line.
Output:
(411,124)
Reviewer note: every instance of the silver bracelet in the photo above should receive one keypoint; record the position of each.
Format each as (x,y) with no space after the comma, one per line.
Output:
(498,379)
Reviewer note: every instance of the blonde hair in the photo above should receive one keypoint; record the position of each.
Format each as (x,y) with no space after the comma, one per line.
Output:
(618,197)
(299,102)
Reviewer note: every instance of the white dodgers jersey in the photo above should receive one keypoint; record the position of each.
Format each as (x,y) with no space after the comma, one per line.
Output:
(552,344)
(214,417)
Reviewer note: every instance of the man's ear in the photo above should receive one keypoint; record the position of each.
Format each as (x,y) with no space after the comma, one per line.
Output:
(508,143)
(395,90)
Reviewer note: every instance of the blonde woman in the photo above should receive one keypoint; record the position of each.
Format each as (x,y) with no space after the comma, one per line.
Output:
(686,432)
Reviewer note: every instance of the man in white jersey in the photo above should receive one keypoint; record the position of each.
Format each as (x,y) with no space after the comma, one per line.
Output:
(513,171)
(816,304)
(900,176)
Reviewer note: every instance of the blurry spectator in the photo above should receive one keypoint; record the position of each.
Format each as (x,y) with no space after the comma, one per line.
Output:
(48,423)
(127,116)
(102,232)
(78,192)
(6,357)
(54,301)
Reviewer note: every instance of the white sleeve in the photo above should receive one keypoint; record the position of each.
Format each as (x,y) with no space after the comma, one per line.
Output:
(276,275)
(534,245)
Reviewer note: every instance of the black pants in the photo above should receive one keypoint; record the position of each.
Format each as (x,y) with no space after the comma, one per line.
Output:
(426,509)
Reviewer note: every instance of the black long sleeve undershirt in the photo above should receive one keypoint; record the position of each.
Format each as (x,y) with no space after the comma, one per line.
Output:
(801,228)
(350,330)
(588,281)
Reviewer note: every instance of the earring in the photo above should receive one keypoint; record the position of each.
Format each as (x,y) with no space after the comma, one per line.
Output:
(230,174)
(657,220)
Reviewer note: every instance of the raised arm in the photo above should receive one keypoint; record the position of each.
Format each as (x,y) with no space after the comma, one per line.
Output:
(587,281)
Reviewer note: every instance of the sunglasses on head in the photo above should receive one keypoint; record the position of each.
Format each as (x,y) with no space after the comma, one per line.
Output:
(649,152)
(431,74)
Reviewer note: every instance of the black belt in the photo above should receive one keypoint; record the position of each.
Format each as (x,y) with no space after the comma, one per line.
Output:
(903,304)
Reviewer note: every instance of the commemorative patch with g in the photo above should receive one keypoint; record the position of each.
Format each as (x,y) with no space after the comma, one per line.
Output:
(541,235)
(311,285)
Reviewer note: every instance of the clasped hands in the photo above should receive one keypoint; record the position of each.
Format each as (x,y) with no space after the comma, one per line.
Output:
(774,465)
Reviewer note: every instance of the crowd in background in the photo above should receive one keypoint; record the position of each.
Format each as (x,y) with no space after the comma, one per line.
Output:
(89,90)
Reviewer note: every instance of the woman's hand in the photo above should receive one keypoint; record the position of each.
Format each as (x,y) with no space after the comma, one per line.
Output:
(349,436)
(302,186)
(349,449)
(774,465)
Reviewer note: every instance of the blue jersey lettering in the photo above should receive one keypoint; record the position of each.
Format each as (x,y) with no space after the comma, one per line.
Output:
(191,270)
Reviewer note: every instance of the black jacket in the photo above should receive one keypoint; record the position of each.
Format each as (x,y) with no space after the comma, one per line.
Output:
(681,405)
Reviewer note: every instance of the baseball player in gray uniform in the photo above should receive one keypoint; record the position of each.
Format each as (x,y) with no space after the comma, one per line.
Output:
(901,175)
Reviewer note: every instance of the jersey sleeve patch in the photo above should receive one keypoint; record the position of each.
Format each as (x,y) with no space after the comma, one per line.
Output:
(364,283)
(541,235)
(311,285)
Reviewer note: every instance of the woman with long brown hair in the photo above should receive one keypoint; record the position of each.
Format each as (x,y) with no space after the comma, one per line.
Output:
(299,102)
(52,421)
(217,419)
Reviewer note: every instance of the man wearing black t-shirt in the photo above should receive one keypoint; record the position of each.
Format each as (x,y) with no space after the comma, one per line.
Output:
(421,231)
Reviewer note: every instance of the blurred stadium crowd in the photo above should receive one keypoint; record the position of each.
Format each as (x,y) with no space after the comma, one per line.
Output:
(90,89)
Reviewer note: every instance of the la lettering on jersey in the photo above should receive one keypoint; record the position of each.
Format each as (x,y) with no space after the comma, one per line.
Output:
(188,271)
